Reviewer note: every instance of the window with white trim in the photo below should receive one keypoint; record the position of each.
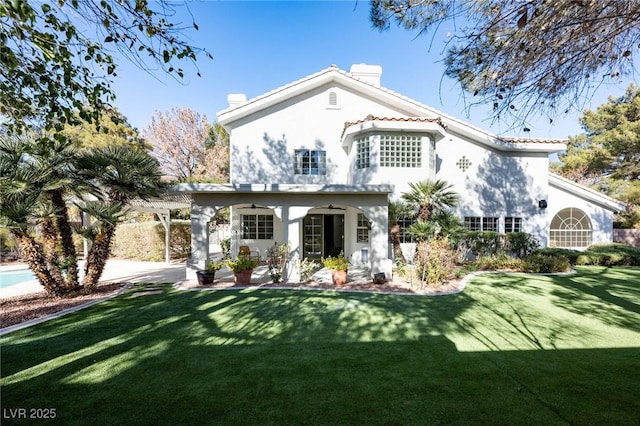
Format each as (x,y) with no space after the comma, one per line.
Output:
(400,150)
(333,102)
(512,224)
(432,154)
(477,223)
(362,229)
(404,223)
(310,162)
(363,153)
(570,228)
(257,226)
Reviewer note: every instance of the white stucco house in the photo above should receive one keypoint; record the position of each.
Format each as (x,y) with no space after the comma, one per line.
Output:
(314,162)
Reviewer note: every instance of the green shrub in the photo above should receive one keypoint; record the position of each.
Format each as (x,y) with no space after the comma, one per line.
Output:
(521,244)
(543,263)
(572,255)
(481,243)
(614,254)
(499,262)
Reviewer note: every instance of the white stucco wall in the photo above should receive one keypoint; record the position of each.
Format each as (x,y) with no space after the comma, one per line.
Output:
(263,144)
(496,183)
(601,218)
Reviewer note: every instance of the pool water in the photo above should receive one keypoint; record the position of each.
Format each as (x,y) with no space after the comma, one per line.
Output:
(17,276)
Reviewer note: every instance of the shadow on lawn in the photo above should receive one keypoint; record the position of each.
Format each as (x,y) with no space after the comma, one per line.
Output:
(285,357)
(602,293)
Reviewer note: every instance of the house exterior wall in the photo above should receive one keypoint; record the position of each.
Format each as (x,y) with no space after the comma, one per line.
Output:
(495,183)
(263,145)
(601,218)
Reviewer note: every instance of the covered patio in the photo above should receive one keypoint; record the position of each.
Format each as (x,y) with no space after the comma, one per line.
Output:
(289,204)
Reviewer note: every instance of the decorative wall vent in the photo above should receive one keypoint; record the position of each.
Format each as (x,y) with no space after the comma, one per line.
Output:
(463,163)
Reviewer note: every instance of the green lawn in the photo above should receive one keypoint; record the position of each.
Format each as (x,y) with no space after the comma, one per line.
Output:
(511,349)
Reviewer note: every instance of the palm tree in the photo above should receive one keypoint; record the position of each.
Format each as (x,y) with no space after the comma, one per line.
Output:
(431,197)
(38,177)
(123,174)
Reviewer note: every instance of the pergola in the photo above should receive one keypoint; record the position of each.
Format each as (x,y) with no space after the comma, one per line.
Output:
(162,207)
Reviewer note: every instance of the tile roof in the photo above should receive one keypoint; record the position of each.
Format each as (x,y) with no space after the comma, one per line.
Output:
(372,117)
(530,140)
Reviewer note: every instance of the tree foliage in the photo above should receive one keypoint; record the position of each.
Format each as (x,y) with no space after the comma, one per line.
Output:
(188,147)
(528,56)
(607,155)
(112,129)
(58,57)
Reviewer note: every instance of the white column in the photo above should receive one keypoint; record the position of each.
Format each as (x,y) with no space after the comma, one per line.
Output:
(379,239)
(291,225)
(200,216)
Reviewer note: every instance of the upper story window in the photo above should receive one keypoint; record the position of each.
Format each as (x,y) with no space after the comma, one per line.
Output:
(400,151)
(310,162)
(333,102)
(476,223)
(257,226)
(363,151)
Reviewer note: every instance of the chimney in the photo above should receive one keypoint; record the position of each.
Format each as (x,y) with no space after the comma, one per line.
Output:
(236,99)
(369,73)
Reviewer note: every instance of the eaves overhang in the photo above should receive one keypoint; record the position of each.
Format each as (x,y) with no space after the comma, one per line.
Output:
(354,130)
(205,188)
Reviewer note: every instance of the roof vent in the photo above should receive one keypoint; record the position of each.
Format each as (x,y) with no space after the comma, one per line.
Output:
(236,99)
(369,73)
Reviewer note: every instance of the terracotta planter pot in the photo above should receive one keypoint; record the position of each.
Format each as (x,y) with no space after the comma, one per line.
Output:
(242,277)
(339,277)
(205,277)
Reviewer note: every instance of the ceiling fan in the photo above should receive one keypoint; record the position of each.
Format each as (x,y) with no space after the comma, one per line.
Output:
(332,207)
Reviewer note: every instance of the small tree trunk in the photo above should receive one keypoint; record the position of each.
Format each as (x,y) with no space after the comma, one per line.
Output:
(34,256)
(397,250)
(97,259)
(66,239)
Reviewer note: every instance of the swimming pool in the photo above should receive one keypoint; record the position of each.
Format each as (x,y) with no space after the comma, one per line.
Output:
(16,276)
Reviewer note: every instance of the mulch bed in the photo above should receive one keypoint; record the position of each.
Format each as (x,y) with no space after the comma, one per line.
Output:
(18,309)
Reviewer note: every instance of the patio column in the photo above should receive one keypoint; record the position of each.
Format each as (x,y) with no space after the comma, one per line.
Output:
(200,216)
(379,239)
(291,223)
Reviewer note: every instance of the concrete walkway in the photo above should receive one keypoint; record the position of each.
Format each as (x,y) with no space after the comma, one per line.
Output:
(116,270)
(161,272)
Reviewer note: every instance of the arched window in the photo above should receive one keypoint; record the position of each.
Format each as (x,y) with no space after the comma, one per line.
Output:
(333,101)
(570,228)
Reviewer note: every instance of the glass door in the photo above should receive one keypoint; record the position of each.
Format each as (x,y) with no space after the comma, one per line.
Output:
(323,235)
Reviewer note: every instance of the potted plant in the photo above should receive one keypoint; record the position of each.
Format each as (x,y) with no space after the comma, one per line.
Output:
(208,275)
(339,267)
(242,268)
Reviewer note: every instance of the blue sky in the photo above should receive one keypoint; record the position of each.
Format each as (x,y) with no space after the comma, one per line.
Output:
(260,45)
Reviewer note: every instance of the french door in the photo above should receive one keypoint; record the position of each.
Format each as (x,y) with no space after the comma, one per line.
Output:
(323,235)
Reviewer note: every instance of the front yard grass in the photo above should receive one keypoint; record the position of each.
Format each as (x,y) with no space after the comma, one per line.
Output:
(510,349)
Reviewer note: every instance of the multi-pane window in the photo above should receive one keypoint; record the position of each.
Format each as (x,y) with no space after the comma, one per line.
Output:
(310,162)
(257,226)
(362,230)
(477,223)
(403,223)
(570,228)
(363,152)
(512,224)
(400,151)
